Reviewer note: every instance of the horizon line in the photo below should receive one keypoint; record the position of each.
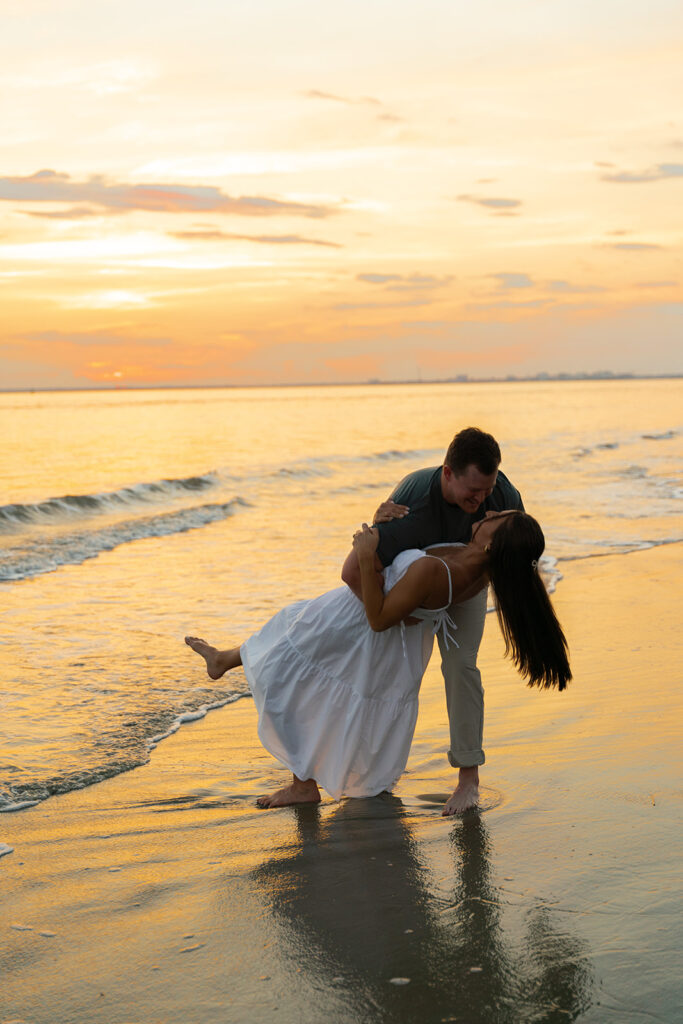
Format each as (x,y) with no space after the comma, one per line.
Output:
(540,378)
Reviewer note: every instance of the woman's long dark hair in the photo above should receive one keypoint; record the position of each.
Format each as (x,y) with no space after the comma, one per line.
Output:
(533,636)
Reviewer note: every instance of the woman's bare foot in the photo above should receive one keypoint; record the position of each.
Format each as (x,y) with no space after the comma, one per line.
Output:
(217,662)
(466,793)
(299,791)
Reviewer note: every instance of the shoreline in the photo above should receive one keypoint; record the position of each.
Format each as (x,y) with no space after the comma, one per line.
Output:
(554,577)
(164,894)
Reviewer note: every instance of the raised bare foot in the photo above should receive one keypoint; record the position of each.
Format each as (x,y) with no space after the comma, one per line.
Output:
(217,662)
(299,791)
(466,793)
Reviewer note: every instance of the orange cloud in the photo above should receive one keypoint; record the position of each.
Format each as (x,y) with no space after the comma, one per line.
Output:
(317,94)
(211,235)
(49,186)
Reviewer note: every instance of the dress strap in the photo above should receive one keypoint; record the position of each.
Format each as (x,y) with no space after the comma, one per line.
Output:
(443,622)
(450,582)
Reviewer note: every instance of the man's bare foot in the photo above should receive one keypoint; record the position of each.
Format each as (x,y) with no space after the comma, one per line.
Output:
(299,791)
(466,793)
(217,662)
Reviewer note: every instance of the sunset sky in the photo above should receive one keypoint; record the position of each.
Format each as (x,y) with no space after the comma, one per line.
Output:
(274,191)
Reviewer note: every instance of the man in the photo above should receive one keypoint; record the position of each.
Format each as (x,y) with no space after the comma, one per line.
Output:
(437,506)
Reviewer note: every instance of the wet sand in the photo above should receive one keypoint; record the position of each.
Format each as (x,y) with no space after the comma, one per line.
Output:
(165,895)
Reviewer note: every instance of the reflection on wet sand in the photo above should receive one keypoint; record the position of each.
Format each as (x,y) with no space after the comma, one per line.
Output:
(357,909)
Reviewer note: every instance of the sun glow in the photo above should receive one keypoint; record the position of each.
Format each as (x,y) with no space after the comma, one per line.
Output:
(114,299)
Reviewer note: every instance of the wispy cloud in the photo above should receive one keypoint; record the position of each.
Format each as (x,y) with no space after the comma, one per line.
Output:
(631,246)
(391,304)
(378,278)
(657,173)
(508,280)
(492,203)
(49,186)
(88,339)
(318,94)
(216,235)
(353,101)
(431,325)
(513,280)
(507,304)
(567,288)
(73,213)
(406,282)
(656,284)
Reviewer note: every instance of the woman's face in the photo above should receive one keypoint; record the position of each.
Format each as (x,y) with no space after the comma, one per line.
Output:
(483,531)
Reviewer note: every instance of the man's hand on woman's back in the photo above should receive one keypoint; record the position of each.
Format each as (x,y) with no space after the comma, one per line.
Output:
(389,510)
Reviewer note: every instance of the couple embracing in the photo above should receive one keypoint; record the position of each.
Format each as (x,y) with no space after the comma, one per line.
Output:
(336,679)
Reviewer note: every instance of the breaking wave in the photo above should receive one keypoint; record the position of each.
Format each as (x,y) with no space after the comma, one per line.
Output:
(69,506)
(48,552)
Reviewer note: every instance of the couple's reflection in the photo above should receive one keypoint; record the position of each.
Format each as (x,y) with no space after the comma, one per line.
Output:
(359,907)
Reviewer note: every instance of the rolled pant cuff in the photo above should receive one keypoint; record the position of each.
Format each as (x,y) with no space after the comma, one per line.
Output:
(466,758)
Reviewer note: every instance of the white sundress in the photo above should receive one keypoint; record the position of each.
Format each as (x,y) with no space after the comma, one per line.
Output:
(336,701)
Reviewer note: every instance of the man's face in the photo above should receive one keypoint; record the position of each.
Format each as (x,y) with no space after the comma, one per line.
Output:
(468,490)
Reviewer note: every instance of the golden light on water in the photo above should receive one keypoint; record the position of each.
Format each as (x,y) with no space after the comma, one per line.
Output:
(139,516)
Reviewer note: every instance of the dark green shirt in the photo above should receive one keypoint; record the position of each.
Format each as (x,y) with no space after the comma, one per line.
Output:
(432,520)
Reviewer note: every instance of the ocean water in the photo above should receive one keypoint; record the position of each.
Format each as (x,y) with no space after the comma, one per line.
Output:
(128,519)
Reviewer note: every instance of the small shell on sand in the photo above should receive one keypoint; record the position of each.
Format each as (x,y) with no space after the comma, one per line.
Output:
(399,981)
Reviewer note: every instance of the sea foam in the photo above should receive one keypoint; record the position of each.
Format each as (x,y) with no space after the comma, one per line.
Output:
(35,555)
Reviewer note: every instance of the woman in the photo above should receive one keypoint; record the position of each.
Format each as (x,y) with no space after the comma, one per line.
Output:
(336,682)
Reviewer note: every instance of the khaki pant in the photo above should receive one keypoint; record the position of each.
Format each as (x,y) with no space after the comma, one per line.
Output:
(464,692)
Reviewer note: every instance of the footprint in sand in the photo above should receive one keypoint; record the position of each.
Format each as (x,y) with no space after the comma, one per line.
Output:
(488,799)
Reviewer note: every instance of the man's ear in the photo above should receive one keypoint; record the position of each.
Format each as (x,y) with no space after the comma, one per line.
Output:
(448,472)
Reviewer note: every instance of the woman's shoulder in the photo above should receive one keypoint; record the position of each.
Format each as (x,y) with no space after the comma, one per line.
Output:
(425,573)
(405,558)
(432,576)
(421,563)
(404,561)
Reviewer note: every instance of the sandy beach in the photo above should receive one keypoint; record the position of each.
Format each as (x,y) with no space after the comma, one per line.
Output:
(165,895)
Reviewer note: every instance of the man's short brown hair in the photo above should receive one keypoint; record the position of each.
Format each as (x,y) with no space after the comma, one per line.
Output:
(472,447)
